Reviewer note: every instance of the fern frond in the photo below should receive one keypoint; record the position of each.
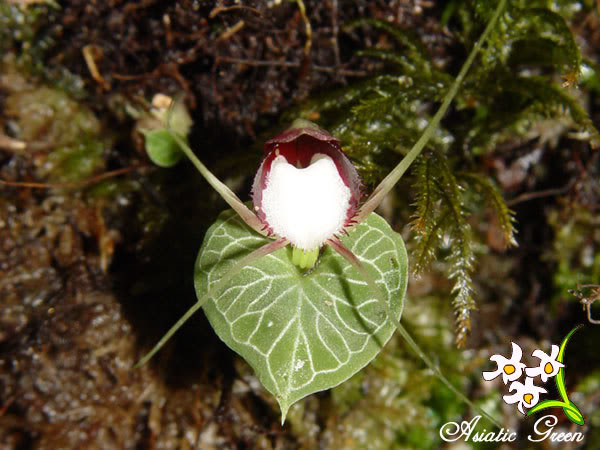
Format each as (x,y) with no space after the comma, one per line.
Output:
(493,198)
(427,244)
(427,195)
(461,256)
(403,37)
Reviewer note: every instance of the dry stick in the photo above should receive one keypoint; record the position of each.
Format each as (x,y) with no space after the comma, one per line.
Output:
(352,259)
(215,290)
(11,144)
(308,28)
(259,63)
(539,194)
(220,9)
(335,31)
(389,181)
(588,302)
(231,31)
(91,180)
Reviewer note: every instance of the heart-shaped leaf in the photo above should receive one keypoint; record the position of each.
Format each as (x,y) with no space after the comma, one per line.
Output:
(302,332)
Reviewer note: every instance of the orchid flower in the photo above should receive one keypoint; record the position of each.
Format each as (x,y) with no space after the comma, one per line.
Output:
(526,395)
(511,368)
(306,194)
(548,367)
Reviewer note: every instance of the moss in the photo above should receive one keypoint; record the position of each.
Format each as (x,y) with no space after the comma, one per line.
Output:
(32,31)
(66,136)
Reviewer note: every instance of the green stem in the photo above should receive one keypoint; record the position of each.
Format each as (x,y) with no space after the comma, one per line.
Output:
(390,181)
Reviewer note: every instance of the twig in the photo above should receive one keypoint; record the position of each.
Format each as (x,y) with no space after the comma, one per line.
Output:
(220,9)
(538,194)
(587,302)
(7,405)
(335,29)
(308,28)
(92,180)
(252,62)
(168,31)
(90,53)
(231,31)
(13,145)
(26,3)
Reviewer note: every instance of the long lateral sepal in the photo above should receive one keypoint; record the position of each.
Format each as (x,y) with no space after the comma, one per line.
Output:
(215,290)
(227,194)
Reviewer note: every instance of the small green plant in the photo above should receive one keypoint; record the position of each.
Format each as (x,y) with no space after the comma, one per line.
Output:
(306,318)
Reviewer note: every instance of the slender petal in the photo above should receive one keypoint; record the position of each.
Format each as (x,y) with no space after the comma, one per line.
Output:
(228,195)
(390,181)
(215,290)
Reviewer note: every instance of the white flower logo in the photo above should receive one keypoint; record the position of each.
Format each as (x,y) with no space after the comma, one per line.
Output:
(511,369)
(527,395)
(548,367)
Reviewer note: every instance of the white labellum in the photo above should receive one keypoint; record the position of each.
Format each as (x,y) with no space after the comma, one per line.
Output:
(307,206)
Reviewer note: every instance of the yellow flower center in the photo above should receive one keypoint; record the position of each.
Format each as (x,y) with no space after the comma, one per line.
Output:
(528,398)
(548,368)
(509,369)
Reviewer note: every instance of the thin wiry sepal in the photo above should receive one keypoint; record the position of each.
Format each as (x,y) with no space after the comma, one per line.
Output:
(352,259)
(390,181)
(214,291)
(227,194)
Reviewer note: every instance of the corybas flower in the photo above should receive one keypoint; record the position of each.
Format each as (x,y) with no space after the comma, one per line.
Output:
(548,367)
(306,190)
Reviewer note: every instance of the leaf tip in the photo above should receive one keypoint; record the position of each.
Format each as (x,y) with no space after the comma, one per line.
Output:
(284,410)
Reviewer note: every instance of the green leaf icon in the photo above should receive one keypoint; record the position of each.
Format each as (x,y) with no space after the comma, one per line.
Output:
(302,332)
(569,408)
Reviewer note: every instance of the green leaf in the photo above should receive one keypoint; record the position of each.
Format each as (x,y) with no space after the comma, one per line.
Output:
(574,415)
(162,148)
(560,379)
(547,404)
(570,410)
(302,332)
